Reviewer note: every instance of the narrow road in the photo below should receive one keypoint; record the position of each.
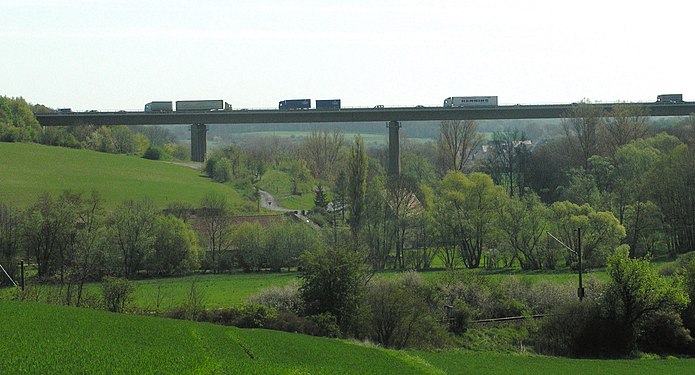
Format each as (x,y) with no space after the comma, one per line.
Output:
(270,203)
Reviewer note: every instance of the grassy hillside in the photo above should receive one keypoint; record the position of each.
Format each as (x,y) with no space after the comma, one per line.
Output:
(53,339)
(28,170)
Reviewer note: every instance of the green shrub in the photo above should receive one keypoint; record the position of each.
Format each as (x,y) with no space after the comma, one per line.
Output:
(117,293)
(578,329)
(459,316)
(397,317)
(152,153)
(663,333)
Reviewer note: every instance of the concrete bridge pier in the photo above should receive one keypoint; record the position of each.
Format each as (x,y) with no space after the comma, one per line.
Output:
(198,142)
(394,149)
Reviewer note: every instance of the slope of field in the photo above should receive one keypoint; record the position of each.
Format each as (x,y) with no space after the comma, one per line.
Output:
(53,339)
(29,170)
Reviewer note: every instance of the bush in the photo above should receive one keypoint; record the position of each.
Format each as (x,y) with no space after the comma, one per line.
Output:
(577,329)
(332,283)
(117,293)
(459,316)
(152,153)
(282,298)
(538,297)
(663,333)
(398,318)
(485,299)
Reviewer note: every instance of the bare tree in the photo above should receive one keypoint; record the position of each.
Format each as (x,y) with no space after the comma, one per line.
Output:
(321,150)
(508,164)
(404,206)
(625,124)
(581,125)
(215,222)
(457,139)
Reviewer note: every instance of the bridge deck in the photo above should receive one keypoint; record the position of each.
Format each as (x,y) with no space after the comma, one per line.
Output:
(343,115)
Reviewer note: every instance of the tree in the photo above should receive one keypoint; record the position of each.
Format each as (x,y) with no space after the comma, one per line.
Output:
(249,243)
(671,185)
(582,125)
(524,221)
(457,139)
(546,170)
(89,247)
(17,122)
(157,135)
(332,281)
(10,240)
(49,232)
(340,192)
(601,231)
(320,199)
(641,217)
(624,124)
(403,206)
(397,316)
(636,290)
(285,242)
(216,233)
(124,140)
(417,166)
(467,207)
(175,248)
(321,150)
(357,187)
(510,155)
(132,233)
(632,163)
(376,227)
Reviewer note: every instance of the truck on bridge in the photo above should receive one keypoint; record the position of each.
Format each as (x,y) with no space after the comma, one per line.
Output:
(188,106)
(669,98)
(159,107)
(471,101)
(202,105)
(291,104)
(329,104)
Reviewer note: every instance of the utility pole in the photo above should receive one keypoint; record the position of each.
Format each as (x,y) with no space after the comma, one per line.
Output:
(580,291)
(578,253)
(21,278)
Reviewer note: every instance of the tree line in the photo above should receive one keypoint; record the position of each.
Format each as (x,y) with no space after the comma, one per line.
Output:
(18,124)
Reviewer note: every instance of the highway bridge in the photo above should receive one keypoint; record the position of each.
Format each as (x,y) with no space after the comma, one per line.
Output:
(392,115)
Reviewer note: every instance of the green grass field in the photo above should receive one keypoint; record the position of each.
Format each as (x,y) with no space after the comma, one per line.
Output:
(216,290)
(29,170)
(42,339)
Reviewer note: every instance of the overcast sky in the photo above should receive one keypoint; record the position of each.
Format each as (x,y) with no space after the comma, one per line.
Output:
(121,54)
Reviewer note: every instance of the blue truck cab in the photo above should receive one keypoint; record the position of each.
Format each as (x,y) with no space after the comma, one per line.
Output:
(291,104)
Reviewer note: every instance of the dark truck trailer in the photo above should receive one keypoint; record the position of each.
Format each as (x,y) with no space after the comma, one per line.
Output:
(159,107)
(201,105)
(669,98)
(294,104)
(329,104)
